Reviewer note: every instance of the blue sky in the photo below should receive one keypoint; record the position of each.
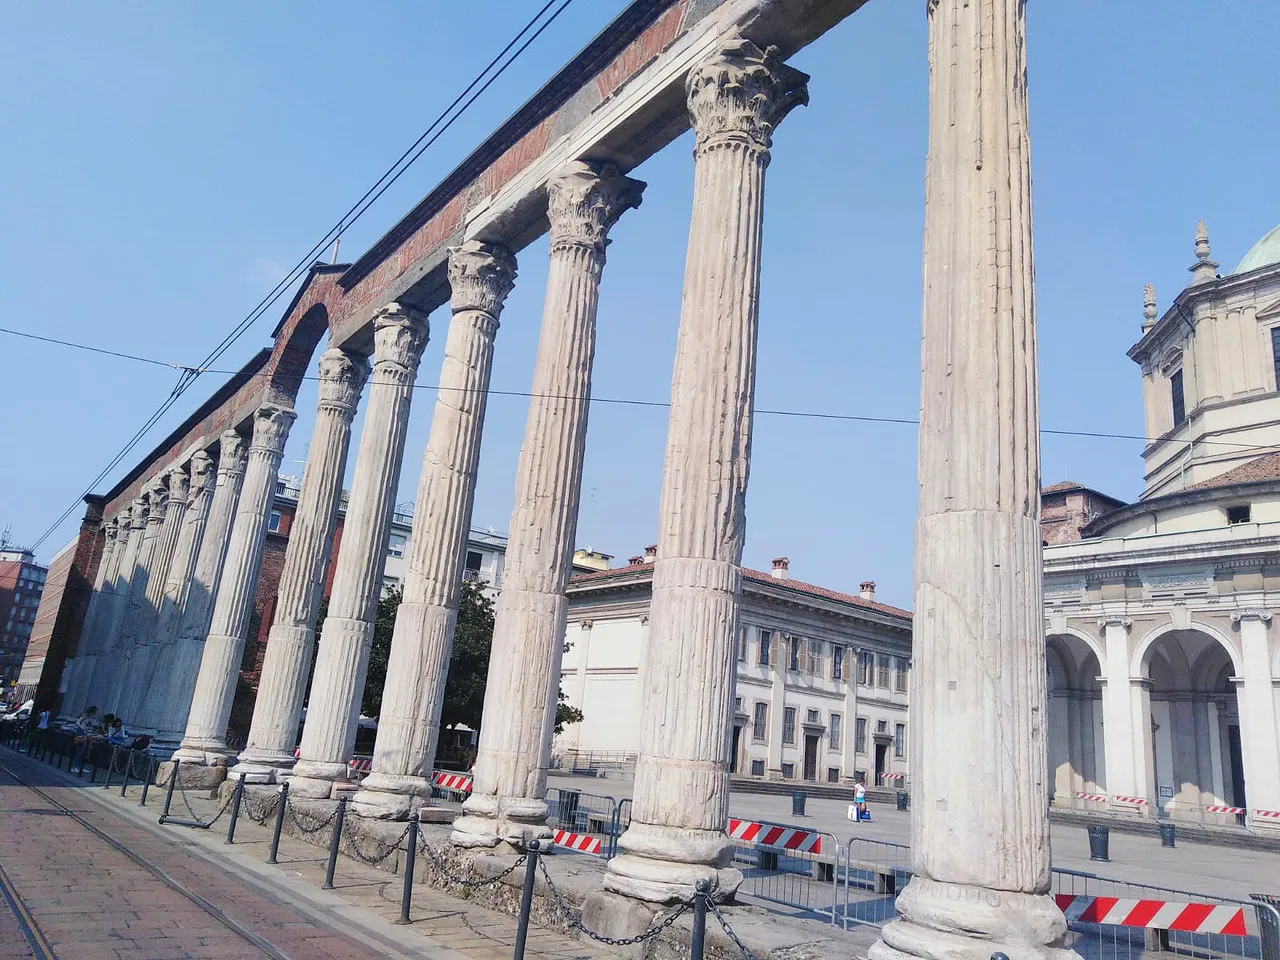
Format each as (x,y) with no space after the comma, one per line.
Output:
(165,163)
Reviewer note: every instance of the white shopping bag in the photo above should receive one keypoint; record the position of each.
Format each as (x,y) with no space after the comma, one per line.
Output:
(853,812)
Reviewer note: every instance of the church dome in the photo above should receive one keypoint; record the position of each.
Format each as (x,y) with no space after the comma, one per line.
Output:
(1263,253)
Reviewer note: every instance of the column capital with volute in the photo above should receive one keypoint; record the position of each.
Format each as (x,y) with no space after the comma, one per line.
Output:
(179,484)
(739,95)
(342,378)
(233,449)
(399,337)
(203,475)
(1256,613)
(481,275)
(585,199)
(271,424)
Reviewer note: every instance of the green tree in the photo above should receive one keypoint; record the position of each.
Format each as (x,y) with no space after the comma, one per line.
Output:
(384,625)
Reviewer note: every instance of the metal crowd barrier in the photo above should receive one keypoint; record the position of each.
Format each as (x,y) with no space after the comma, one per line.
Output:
(584,822)
(791,866)
(874,873)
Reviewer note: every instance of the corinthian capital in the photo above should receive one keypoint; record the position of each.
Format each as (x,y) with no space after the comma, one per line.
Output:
(179,486)
(111,529)
(271,425)
(157,500)
(480,276)
(232,452)
(586,198)
(342,377)
(201,473)
(740,94)
(138,514)
(399,337)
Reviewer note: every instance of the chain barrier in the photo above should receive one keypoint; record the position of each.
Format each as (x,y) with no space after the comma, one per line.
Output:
(575,921)
(303,828)
(195,816)
(268,810)
(440,868)
(724,925)
(354,849)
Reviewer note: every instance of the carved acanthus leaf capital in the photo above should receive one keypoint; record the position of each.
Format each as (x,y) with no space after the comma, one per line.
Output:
(232,452)
(399,336)
(157,500)
(179,485)
(201,473)
(138,513)
(480,276)
(1104,622)
(271,423)
(111,529)
(740,94)
(342,377)
(586,198)
(1251,614)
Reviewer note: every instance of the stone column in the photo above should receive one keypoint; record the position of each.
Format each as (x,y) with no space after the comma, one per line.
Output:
(205,739)
(980,816)
(1259,736)
(273,733)
(181,569)
(136,616)
(507,802)
(200,590)
(1117,713)
(480,275)
(400,336)
(681,803)
(132,524)
(850,745)
(140,701)
(91,632)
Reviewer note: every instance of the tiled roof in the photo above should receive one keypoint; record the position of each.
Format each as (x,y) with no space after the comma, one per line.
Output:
(1063,487)
(1255,471)
(759,576)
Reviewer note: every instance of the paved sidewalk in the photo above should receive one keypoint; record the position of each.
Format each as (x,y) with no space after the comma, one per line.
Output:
(92,901)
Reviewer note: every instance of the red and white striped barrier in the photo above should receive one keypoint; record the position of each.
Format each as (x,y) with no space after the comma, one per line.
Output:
(772,835)
(1092,796)
(1155,914)
(1222,809)
(893,776)
(452,781)
(577,841)
(361,764)
(1132,801)
(1266,814)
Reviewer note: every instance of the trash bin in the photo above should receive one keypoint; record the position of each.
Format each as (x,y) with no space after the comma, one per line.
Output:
(1167,835)
(903,800)
(1268,908)
(797,803)
(1099,843)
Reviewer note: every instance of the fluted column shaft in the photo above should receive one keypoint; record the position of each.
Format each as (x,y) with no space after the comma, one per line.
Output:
(131,526)
(507,803)
(681,799)
(196,605)
(400,335)
(220,663)
(134,614)
(80,668)
(274,731)
(139,700)
(481,275)
(980,824)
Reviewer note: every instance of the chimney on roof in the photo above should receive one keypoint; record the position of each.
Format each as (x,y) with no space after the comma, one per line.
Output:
(632,561)
(651,553)
(867,589)
(781,565)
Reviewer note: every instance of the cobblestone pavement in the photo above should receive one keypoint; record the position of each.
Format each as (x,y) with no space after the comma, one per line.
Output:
(91,900)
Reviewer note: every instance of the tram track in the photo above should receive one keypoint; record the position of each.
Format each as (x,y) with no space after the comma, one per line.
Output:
(31,930)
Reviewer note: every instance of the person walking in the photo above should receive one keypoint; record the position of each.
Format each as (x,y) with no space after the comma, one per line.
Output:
(860,800)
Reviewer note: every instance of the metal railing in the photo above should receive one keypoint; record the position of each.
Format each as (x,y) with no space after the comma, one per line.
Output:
(795,867)
(586,815)
(873,873)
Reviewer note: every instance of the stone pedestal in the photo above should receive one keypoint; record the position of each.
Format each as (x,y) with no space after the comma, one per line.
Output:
(481,275)
(507,800)
(274,731)
(979,816)
(215,690)
(681,799)
(400,335)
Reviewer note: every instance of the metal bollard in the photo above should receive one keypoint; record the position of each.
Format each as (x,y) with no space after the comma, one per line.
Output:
(333,844)
(91,755)
(700,893)
(235,810)
(526,897)
(128,768)
(111,767)
(406,896)
(275,837)
(168,797)
(152,765)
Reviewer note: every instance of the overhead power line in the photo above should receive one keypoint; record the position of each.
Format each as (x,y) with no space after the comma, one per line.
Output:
(446,119)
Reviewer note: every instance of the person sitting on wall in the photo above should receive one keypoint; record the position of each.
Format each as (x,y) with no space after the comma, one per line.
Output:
(87,728)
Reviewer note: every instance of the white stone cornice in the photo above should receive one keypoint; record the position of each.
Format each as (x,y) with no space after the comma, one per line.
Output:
(1253,613)
(481,275)
(342,378)
(1114,621)
(400,335)
(740,94)
(585,199)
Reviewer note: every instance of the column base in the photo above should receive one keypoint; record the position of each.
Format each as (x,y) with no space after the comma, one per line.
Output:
(261,763)
(315,779)
(663,864)
(386,796)
(955,921)
(206,753)
(488,820)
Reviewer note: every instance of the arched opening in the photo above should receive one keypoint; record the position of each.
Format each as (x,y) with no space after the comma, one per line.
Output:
(1075,720)
(1195,758)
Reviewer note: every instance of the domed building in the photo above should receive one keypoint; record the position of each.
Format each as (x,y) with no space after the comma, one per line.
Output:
(1162,615)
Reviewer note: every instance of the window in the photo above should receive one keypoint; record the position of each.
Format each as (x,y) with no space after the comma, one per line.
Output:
(900,674)
(1175,392)
(860,735)
(899,739)
(811,716)
(737,704)
(742,645)
(813,656)
(763,656)
(395,544)
(837,661)
(1275,353)
(1239,514)
(274,523)
(793,657)
(833,774)
(882,726)
(864,667)
(789,725)
(788,771)
(833,732)
(882,671)
(757,768)
(760,724)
